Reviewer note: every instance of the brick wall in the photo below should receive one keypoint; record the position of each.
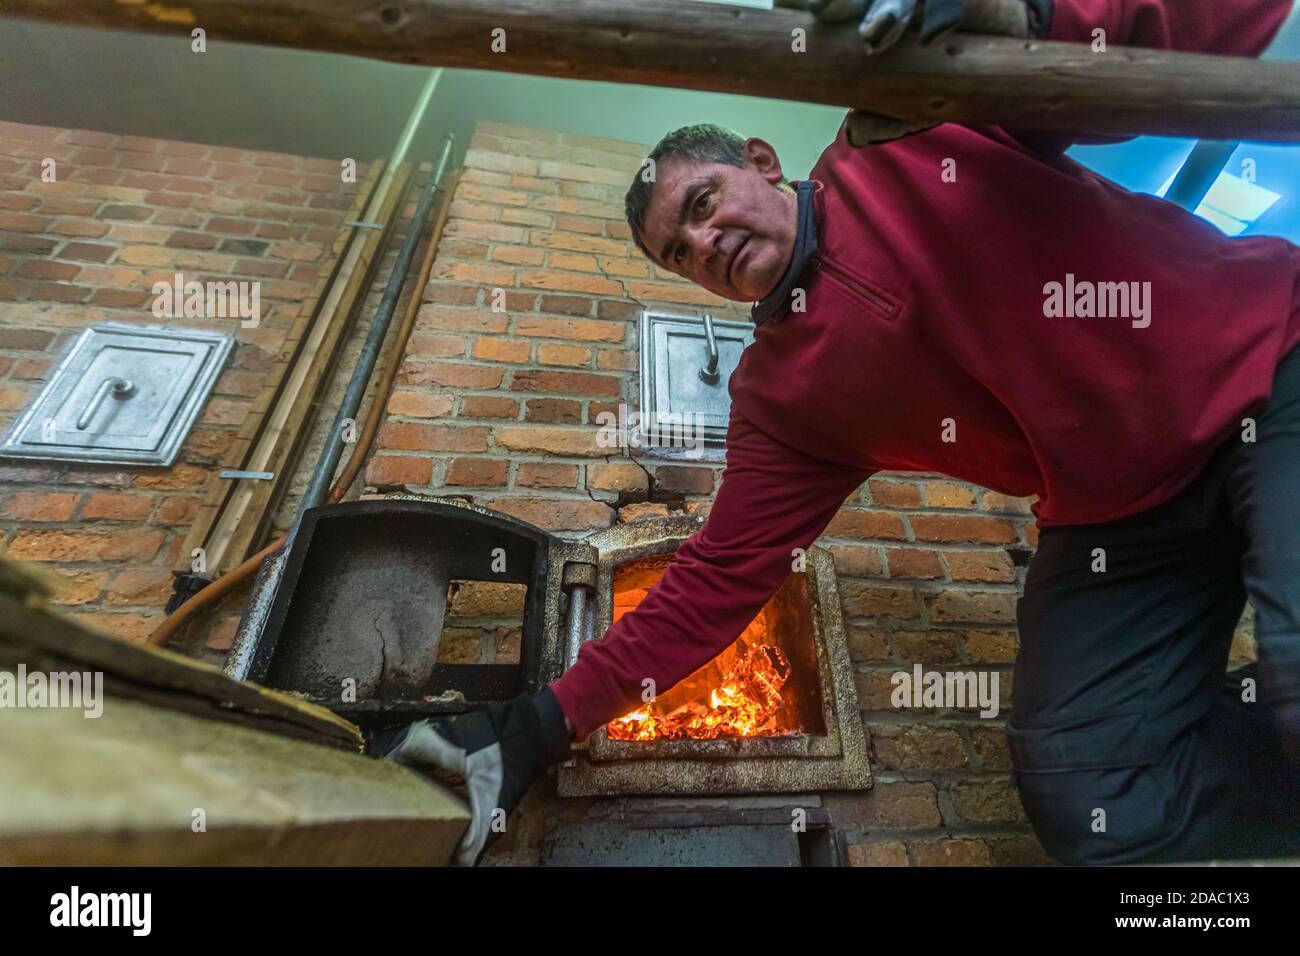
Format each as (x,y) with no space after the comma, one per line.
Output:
(122,213)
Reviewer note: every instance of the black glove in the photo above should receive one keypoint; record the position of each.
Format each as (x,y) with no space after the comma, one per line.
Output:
(882,22)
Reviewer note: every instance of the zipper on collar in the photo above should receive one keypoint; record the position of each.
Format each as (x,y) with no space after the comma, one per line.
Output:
(853,284)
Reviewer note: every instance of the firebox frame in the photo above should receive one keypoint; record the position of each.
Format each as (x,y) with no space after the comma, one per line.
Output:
(837,761)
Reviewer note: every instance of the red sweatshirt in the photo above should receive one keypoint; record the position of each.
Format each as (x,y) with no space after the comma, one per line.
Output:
(947,329)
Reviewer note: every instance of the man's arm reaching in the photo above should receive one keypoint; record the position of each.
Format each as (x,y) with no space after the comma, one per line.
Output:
(772,500)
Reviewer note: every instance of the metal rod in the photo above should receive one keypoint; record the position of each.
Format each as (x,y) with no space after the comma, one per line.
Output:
(333,450)
(1199,172)
(576,622)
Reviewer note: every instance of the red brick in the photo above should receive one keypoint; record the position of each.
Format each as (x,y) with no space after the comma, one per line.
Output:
(913,563)
(48,269)
(689,481)
(557,514)
(181,477)
(952,853)
(857,561)
(502,350)
(58,292)
(477,471)
(573,356)
(449,375)
(620,476)
(895,494)
(410,436)
(440,346)
(191,240)
(545,474)
(87,252)
(962,528)
(125,545)
(176,511)
(980,566)
(569,383)
(119,298)
(557,411)
(25,222)
(586,330)
(488,406)
(566,304)
(866,525)
(610,309)
(27,340)
(419,404)
(41,506)
(141,586)
(116,506)
(388,470)
(550,441)
(864,600)
(887,853)
(994,607)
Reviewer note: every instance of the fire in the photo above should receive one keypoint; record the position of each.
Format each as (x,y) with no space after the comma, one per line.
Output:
(744,704)
(764,685)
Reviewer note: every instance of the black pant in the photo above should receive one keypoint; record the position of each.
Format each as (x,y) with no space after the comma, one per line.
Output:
(1130,742)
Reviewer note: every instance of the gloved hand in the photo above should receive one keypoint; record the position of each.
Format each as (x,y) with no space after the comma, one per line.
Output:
(883,22)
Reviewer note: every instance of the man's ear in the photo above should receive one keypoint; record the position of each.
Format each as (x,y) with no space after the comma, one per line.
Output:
(761,154)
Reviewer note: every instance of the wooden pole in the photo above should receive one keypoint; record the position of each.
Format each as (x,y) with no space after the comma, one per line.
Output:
(678,43)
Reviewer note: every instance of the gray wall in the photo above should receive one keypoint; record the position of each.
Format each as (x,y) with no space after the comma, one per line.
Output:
(329,105)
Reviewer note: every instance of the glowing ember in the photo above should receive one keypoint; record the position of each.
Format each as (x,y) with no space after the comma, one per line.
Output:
(757,687)
(744,704)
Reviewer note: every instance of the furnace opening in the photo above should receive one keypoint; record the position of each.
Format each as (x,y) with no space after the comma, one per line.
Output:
(764,685)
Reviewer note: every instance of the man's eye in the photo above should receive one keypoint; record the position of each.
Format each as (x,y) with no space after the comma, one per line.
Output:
(702,203)
(678,252)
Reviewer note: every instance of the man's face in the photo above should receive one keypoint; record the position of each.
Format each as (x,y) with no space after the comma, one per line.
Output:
(723,227)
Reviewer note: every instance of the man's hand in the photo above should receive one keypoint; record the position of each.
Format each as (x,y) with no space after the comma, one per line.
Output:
(883,22)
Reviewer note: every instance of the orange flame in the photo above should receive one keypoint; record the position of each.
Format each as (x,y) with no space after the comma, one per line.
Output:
(744,704)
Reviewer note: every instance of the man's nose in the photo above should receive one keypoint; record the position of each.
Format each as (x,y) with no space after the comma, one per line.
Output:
(703,243)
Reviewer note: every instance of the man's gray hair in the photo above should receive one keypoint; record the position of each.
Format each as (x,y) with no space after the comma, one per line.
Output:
(701,143)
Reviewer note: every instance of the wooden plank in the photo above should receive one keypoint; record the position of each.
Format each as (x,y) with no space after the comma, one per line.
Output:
(220,490)
(124,788)
(42,638)
(249,502)
(702,46)
(234,540)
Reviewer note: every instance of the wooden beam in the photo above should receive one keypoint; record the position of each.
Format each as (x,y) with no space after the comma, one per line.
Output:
(44,639)
(238,531)
(252,439)
(131,788)
(679,43)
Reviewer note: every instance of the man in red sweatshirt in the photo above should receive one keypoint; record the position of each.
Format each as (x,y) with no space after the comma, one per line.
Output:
(969,301)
